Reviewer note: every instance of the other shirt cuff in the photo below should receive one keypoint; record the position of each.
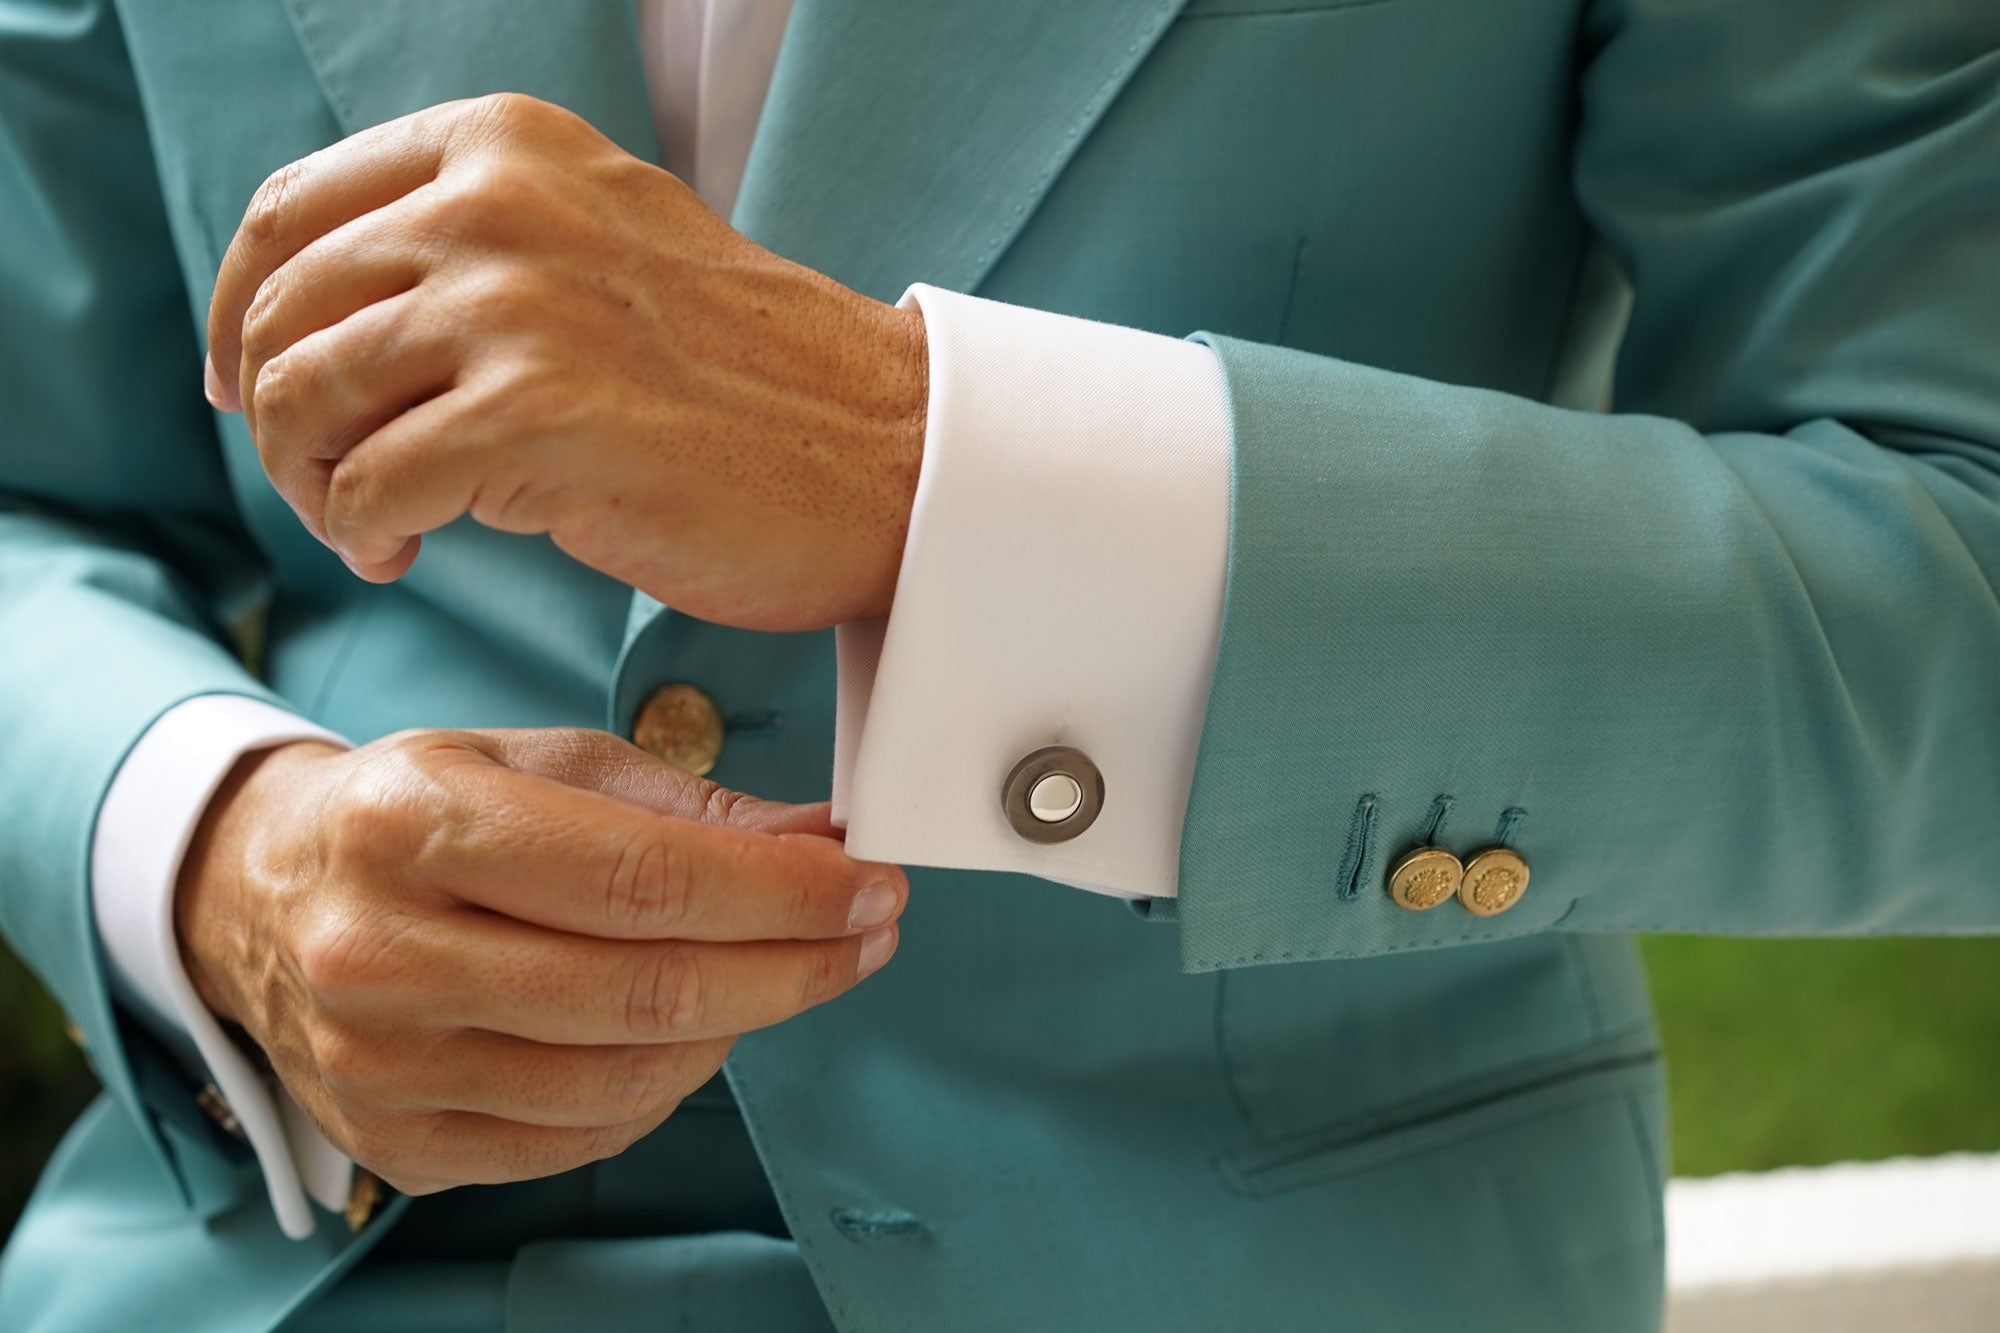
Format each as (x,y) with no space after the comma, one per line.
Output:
(147,819)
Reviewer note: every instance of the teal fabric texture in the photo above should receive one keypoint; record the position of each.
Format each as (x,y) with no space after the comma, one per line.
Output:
(1616,401)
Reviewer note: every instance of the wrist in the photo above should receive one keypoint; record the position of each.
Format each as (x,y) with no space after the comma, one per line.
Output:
(216,923)
(904,385)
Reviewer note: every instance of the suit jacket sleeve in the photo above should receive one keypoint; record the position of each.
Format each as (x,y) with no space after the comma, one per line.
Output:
(1725,659)
(120,550)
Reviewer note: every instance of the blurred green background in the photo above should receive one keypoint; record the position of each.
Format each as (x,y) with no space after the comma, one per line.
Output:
(1782,1052)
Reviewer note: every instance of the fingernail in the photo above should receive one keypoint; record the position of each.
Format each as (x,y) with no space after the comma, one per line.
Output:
(876,946)
(219,396)
(873,906)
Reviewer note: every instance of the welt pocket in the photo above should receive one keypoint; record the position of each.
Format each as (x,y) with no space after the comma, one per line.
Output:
(1219,9)
(1330,1152)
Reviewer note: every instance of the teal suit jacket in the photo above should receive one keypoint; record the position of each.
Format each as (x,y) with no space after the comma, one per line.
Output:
(1726,658)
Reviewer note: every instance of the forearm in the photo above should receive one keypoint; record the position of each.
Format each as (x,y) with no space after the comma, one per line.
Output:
(1729,682)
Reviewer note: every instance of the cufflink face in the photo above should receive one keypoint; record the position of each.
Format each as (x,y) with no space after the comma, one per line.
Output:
(1053,794)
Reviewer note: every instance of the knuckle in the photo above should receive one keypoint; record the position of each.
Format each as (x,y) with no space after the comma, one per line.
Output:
(505,108)
(485,203)
(602,1141)
(632,1084)
(260,326)
(429,1149)
(347,952)
(505,298)
(666,997)
(464,211)
(414,1186)
(371,1146)
(266,219)
(648,887)
(815,890)
(412,740)
(345,1063)
(808,902)
(720,804)
(388,1154)
(513,115)
(497,182)
(365,830)
(595,1143)
(510,501)
(286,386)
(448,213)
(828,971)
(356,491)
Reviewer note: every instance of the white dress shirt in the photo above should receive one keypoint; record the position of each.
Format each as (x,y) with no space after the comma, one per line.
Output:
(1062,583)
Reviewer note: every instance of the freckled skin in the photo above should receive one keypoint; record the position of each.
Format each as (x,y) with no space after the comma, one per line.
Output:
(477,957)
(486,956)
(474,957)
(489,308)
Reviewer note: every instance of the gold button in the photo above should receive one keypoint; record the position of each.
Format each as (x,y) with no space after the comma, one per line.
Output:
(680,725)
(1424,878)
(364,1196)
(1494,881)
(218,1109)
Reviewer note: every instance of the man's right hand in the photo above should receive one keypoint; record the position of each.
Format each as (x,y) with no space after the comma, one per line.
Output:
(483,956)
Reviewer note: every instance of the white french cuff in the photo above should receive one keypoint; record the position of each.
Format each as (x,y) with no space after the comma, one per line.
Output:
(148,817)
(1061,585)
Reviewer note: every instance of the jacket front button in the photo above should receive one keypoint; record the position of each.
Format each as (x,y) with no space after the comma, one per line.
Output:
(1424,878)
(681,726)
(1494,881)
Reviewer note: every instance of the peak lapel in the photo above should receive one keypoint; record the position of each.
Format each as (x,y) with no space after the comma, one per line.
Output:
(908,140)
(902,139)
(380,59)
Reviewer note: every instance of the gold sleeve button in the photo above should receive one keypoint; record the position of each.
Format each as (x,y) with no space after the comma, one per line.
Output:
(1494,881)
(1424,878)
(680,725)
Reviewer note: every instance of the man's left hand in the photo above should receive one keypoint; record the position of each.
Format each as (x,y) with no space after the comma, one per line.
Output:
(488,308)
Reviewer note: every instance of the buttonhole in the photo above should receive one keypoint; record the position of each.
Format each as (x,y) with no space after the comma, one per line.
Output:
(871,1223)
(1360,848)
(754,724)
(1440,812)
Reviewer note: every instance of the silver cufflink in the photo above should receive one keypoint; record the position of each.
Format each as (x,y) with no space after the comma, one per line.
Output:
(1053,794)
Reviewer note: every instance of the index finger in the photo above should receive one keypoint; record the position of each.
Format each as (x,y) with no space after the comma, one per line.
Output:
(299,203)
(579,861)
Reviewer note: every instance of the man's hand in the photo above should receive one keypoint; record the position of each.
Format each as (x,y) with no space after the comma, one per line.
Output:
(476,957)
(489,308)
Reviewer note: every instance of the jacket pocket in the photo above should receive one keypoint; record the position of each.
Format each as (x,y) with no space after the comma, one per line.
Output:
(1334,1151)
